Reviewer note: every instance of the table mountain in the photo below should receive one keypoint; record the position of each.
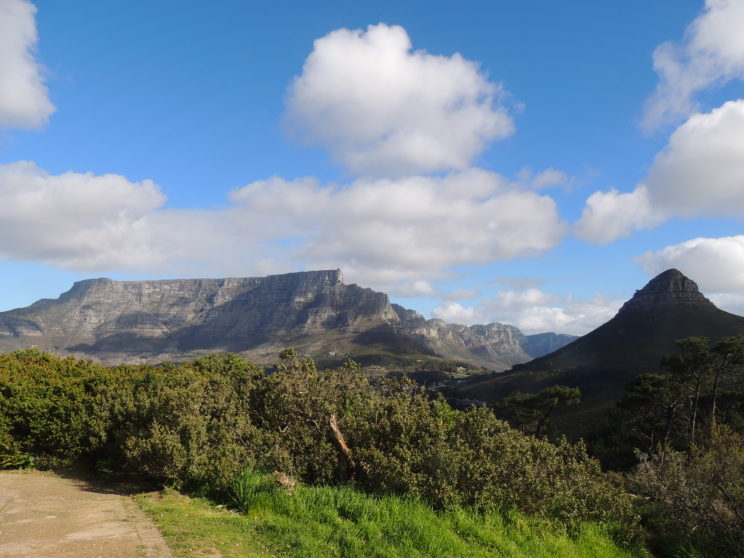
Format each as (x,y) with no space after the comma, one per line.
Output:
(154,321)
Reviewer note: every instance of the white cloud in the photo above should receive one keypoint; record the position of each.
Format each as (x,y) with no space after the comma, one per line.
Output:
(24,101)
(712,53)
(455,313)
(383,109)
(415,288)
(387,231)
(386,234)
(545,179)
(701,170)
(715,264)
(78,221)
(612,215)
(534,311)
(730,302)
(699,173)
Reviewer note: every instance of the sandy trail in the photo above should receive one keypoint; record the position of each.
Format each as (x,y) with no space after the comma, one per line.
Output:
(43,515)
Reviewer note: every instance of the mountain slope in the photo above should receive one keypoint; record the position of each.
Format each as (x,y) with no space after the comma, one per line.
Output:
(153,321)
(645,329)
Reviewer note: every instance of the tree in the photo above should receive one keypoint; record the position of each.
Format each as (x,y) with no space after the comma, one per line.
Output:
(693,367)
(652,408)
(530,412)
(683,407)
(728,364)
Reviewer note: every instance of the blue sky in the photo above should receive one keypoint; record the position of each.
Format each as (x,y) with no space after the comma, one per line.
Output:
(531,163)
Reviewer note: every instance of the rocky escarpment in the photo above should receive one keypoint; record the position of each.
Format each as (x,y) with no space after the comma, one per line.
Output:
(670,288)
(493,345)
(115,321)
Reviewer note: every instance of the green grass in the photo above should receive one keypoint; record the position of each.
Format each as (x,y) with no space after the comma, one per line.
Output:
(194,527)
(327,522)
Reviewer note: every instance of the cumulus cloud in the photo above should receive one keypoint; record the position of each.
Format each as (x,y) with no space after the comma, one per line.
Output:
(387,230)
(455,313)
(534,311)
(608,216)
(383,109)
(715,264)
(701,170)
(699,173)
(24,101)
(395,234)
(711,53)
(730,302)
(419,287)
(74,220)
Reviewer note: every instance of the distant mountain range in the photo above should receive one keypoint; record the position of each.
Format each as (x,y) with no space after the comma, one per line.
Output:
(602,362)
(154,321)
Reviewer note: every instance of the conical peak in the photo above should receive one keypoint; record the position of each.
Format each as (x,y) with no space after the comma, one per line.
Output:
(670,287)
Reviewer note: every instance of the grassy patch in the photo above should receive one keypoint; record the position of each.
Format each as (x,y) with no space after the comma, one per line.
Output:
(194,527)
(325,522)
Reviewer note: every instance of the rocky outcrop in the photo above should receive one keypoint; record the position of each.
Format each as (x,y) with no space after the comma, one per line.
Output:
(115,321)
(670,288)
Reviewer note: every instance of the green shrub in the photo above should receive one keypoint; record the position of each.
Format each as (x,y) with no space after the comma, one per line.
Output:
(196,426)
(189,426)
(696,499)
(44,406)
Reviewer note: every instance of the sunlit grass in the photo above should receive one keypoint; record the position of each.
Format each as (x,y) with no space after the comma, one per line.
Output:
(325,522)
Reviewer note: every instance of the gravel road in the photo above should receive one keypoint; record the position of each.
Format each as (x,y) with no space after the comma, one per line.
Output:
(43,515)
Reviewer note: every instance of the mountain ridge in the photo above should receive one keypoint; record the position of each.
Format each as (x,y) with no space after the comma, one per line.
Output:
(176,319)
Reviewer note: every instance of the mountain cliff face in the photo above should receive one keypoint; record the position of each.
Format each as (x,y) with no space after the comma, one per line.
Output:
(153,321)
(668,289)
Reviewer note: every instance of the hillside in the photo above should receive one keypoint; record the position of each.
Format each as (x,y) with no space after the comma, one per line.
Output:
(645,329)
(177,319)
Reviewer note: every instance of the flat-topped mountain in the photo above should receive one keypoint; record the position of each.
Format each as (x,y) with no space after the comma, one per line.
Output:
(153,321)
(645,329)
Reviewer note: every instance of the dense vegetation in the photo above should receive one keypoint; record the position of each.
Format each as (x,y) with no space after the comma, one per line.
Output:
(679,436)
(202,426)
(687,428)
(198,425)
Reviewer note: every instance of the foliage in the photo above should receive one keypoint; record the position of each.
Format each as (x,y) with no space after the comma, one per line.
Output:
(687,426)
(189,426)
(44,405)
(197,425)
(698,497)
(530,412)
(700,389)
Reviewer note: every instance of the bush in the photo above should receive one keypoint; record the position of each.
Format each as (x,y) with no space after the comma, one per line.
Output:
(197,425)
(189,426)
(696,498)
(44,408)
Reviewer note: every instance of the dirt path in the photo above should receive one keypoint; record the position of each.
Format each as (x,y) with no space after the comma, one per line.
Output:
(43,515)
